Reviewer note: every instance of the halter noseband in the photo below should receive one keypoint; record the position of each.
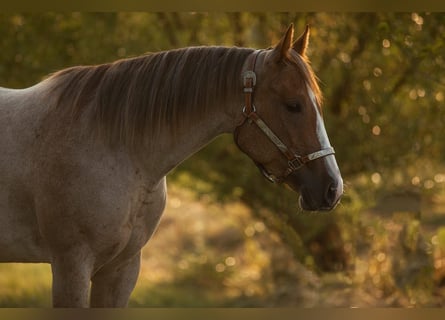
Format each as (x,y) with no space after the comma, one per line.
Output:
(295,161)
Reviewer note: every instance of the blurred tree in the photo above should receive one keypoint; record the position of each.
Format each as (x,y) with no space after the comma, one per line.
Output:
(382,74)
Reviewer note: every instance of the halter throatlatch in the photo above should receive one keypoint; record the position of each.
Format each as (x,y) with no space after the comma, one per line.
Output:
(295,161)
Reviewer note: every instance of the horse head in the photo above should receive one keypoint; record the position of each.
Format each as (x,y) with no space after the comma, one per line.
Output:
(283,131)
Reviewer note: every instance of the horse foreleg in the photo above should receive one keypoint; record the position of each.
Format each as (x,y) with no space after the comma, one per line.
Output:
(71,278)
(112,285)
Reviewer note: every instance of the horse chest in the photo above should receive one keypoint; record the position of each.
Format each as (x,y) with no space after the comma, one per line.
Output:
(20,240)
(148,211)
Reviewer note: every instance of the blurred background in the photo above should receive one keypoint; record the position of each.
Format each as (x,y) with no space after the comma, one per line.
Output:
(228,237)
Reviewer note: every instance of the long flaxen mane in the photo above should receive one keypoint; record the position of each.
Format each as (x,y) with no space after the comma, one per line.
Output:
(132,99)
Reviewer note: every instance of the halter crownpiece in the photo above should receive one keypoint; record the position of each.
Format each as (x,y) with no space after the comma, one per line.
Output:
(295,161)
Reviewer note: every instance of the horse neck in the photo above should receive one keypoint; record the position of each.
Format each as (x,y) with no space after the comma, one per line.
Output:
(161,138)
(221,118)
(171,149)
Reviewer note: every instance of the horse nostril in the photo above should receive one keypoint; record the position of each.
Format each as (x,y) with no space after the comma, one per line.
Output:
(332,194)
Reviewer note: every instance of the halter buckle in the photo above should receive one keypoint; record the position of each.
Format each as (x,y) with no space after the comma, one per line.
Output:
(249,74)
(296,163)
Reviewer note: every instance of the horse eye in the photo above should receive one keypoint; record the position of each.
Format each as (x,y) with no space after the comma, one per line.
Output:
(294,107)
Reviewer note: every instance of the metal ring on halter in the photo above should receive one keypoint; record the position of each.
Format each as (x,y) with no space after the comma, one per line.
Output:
(253,110)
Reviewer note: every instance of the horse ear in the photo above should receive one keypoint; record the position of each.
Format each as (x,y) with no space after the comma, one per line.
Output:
(280,51)
(301,44)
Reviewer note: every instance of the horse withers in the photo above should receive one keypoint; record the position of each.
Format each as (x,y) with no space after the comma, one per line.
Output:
(86,151)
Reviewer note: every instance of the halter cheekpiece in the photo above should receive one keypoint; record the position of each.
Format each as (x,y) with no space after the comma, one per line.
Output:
(295,161)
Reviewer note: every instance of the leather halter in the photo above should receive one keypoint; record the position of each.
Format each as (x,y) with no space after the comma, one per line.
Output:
(295,161)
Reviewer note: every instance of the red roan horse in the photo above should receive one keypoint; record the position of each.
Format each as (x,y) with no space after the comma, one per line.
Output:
(84,153)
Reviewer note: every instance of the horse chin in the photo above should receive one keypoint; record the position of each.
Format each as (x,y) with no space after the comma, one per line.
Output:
(304,205)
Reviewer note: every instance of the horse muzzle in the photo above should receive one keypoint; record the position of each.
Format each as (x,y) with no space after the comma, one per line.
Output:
(329,200)
(320,190)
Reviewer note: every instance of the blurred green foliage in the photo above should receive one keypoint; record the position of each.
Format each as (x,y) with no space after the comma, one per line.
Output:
(383,77)
(382,73)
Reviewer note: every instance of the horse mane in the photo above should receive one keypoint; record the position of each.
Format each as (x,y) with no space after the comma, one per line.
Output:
(132,99)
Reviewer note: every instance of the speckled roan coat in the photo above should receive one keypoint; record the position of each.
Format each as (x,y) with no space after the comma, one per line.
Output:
(84,154)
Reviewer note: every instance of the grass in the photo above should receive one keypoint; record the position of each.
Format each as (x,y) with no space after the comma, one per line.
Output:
(25,285)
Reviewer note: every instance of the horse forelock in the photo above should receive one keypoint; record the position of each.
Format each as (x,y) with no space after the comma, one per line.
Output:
(133,99)
(304,68)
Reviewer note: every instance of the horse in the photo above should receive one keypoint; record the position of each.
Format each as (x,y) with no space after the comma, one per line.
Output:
(85,153)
